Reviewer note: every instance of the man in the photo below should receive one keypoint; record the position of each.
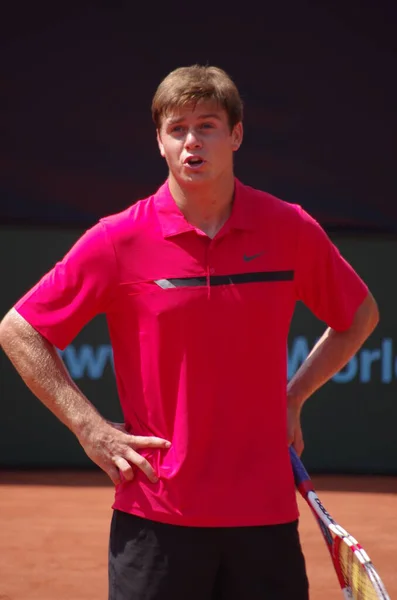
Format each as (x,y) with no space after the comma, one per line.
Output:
(198,283)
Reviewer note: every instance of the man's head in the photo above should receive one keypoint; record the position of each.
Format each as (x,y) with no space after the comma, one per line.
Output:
(198,115)
(190,85)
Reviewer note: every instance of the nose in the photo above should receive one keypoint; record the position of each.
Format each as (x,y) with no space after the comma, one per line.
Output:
(192,140)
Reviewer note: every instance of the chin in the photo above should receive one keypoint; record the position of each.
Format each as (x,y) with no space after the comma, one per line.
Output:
(194,179)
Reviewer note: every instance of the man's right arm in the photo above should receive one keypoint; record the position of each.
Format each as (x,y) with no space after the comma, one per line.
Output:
(42,369)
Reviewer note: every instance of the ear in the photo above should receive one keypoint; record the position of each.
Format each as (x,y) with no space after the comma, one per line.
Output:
(160,144)
(237,136)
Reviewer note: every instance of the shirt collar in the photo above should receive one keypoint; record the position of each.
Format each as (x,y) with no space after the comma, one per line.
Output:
(173,222)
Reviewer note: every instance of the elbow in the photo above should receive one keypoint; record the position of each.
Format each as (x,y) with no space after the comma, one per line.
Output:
(4,329)
(370,312)
(9,328)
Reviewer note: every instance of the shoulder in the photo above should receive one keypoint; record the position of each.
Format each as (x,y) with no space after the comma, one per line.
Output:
(130,220)
(267,208)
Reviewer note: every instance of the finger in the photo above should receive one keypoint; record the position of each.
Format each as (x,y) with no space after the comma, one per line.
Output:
(141,463)
(141,441)
(114,475)
(124,468)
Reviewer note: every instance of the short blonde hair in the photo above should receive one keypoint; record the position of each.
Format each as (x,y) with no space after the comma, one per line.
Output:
(190,85)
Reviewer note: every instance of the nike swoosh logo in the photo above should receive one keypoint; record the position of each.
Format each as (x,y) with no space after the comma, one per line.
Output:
(252,256)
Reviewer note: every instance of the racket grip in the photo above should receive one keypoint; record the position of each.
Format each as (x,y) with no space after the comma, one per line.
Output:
(301,476)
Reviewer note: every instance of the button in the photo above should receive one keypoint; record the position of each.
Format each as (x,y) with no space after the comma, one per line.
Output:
(212,270)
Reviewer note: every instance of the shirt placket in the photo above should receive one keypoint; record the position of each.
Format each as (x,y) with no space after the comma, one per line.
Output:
(209,261)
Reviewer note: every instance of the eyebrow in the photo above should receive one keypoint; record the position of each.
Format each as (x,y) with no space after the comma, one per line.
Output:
(175,120)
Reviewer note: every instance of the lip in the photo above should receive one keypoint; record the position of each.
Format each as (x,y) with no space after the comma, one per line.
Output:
(197,157)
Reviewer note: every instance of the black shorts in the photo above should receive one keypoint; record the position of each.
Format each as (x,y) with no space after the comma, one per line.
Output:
(156,561)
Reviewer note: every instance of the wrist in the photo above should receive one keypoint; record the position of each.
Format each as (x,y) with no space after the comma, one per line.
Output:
(294,400)
(85,425)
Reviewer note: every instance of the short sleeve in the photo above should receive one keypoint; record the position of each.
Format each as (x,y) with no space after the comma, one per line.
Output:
(77,289)
(326,283)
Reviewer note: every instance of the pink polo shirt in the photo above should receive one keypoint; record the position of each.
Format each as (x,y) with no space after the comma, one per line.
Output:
(199,332)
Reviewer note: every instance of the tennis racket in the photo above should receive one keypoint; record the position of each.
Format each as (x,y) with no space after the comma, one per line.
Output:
(354,569)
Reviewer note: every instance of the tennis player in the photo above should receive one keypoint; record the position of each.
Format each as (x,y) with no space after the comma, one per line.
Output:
(198,283)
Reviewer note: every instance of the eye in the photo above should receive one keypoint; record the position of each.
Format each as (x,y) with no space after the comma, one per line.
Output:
(177,129)
(206,125)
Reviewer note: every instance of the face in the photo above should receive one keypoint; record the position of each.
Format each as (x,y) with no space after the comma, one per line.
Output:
(197,143)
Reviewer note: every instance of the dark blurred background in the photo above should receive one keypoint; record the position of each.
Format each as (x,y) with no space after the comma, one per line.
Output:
(317,79)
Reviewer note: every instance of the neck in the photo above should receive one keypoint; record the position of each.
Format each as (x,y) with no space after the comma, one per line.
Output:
(206,206)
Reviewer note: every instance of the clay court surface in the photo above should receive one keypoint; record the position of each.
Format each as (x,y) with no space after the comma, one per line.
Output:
(54,533)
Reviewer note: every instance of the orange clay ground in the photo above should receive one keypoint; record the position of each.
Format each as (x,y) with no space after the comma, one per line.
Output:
(54,533)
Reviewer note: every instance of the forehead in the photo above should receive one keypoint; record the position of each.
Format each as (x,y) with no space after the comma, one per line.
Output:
(201,110)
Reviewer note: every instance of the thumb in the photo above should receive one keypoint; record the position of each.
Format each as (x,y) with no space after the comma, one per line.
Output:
(290,436)
(291,428)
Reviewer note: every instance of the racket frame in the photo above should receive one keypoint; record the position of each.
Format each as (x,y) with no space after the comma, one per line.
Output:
(334,535)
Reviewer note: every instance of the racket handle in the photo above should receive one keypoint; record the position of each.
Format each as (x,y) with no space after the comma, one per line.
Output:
(301,476)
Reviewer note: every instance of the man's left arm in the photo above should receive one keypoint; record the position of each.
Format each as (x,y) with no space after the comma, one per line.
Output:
(328,285)
(330,354)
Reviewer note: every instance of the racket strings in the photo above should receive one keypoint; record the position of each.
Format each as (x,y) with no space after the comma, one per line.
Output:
(355,575)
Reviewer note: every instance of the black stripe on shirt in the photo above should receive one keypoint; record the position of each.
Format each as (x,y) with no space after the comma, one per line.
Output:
(237,278)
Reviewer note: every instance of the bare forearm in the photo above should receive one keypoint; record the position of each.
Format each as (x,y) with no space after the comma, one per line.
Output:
(43,371)
(106,444)
(331,353)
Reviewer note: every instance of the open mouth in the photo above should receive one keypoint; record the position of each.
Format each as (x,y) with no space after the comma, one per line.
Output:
(194,162)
